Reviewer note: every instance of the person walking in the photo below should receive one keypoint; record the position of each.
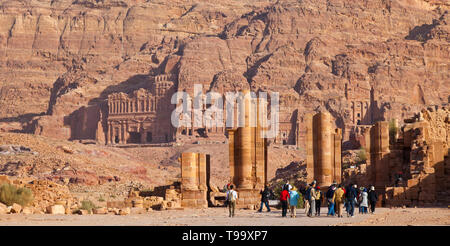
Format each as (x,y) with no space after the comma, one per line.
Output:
(360,209)
(351,196)
(306,199)
(338,199)
(329,196)
(231,200)
(312,199)
(373,198)
(284,196)
(293,201)
(319,198)
(363,201)
(265,195)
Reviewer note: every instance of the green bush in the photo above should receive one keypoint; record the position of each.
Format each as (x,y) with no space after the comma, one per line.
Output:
(300,203)
(362,156)
(10,194)
(277,189)
(87,205)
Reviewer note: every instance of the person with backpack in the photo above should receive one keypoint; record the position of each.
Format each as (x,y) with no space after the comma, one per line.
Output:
(351,197)
(329,195)
(265,196)
(284,196)
(373,198)
(319,198)
(306,199)
(338,199)
(231,200)
(293,201)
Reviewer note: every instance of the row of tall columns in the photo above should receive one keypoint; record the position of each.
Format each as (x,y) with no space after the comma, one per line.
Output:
(132,106)
(120,131)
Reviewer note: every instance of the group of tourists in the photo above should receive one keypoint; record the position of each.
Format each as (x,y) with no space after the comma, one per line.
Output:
(337,198)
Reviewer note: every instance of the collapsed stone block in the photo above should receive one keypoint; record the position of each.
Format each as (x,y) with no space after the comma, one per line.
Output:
(102,210)
(82,212)
(124,211)
(3,208)
(27,210)
(56,209)
(16,208)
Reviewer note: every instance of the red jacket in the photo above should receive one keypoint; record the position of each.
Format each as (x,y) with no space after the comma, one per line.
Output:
(284,195)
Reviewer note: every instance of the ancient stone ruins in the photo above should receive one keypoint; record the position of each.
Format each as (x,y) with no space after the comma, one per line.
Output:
(410,165)
(86,93)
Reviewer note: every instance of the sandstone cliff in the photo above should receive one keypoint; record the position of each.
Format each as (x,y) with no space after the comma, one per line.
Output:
(58,56)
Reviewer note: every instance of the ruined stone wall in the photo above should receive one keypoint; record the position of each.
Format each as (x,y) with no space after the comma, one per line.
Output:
(418,154)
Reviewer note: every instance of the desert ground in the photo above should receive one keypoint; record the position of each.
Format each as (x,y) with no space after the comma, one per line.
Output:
(219,217)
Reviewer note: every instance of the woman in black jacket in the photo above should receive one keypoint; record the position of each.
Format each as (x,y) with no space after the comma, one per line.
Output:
(373,198)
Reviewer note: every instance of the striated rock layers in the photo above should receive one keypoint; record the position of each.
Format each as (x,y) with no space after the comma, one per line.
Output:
(362,61)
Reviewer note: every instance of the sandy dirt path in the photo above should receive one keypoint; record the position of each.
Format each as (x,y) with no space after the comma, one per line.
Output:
(219,217)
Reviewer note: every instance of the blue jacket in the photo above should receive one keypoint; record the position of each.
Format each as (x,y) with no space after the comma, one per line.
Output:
(294,198)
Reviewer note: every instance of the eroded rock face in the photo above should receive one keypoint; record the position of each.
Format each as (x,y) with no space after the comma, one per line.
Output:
(57,57)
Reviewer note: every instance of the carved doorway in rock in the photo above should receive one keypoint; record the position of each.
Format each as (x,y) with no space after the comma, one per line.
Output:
(149,138)
(134,137)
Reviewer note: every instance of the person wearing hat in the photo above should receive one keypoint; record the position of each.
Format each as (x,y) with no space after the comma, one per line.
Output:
(363,201)
(373,198)
(318,198)
(293,201)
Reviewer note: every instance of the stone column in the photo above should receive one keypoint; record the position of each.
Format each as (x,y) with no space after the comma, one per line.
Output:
(337,155)
(108,133)
(194,180)
(189,171)
(322,139)
(202,185)
(244,148)
(309,148)
(379,150)
(231,154)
